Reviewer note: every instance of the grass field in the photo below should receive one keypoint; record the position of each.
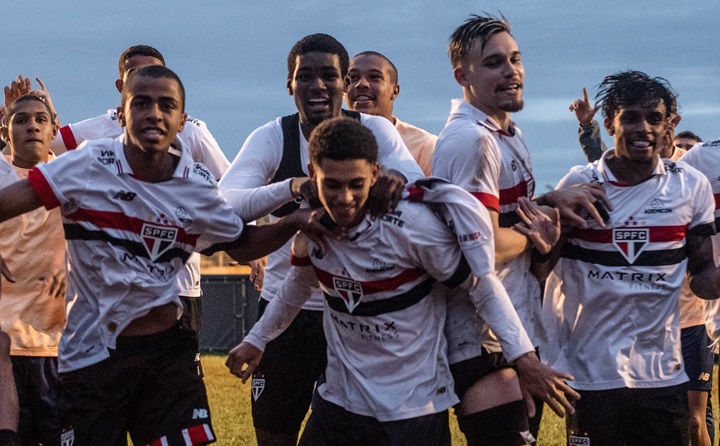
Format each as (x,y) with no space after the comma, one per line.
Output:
(230,406)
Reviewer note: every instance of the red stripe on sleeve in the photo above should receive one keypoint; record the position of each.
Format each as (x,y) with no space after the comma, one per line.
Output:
(300,261)
(199,434)
(490,201)
(717,201)
(68,138)
(42,189)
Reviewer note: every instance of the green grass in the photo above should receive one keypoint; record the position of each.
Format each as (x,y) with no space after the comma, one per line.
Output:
(230,407)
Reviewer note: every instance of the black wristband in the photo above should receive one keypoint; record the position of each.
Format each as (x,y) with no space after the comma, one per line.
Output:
(542,258)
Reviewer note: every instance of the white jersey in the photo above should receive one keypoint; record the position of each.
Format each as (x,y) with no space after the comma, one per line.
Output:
(246,188)
(195,137)
(384,314)
(495,167)
(8,175)
(705,157)
(127,239)
(611,302)
(419,142)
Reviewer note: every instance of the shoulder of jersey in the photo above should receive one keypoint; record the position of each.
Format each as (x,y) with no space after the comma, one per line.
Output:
(713,144)
(407,215)
(201,173)
(194,121)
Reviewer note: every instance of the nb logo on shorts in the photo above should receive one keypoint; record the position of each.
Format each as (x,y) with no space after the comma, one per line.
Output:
(631,242)
(579,441)
(200,414)
(157,239)
(258,385)
(704,377)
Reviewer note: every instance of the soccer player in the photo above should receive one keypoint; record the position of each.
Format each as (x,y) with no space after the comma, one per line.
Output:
(611,300)
(32,309)
(269,176)
(388,381)
(372,88)
(133,211)
(483,151)
(196,138)
(698,358)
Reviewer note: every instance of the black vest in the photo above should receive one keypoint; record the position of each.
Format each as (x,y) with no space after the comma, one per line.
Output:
(290,166)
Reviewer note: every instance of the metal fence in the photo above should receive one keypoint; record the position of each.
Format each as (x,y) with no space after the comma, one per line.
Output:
(229,310)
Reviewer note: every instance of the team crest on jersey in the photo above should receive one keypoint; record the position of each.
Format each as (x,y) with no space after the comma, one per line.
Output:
(631,241)
(258,385)
(350,291)
(158,239)
(67,438)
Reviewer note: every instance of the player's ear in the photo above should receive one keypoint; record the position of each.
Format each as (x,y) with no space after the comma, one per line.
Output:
(121,116)
(119,85)
(396,92)
(459,75)
(311,171)
(609,126)
(376,172)
(289,86)
(4,134)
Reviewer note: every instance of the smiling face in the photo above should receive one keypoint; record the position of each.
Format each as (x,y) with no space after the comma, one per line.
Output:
(372,87)
(318,86)
(492,77)
(152,113)
(29,132)
(640,132)
(343,187)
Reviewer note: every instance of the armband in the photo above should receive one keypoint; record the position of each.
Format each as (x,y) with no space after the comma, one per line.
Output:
(542,258)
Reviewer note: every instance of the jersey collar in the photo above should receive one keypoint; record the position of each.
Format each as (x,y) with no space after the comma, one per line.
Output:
(462,107)
(184,166)
(607,175)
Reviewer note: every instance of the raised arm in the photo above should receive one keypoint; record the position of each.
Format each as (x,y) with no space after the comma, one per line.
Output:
(589,130)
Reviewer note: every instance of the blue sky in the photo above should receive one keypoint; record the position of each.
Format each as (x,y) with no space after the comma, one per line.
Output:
(232,56)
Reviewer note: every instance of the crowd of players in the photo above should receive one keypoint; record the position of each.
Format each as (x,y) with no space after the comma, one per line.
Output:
(427,274)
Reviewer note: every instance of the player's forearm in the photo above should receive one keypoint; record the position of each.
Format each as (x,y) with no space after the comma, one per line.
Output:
(259,241)
(277,318)
(509,244)
(495,308)
(253,203)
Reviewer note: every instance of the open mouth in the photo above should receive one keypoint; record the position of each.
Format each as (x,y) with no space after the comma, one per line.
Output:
(318,104)
(510,88)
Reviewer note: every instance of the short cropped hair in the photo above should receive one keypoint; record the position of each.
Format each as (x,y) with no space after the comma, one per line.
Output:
(157,72)
(475,27)
(342,139)
(635,88)
(138,50)
(688,135)
(393,68)
(319,43)
(25,98)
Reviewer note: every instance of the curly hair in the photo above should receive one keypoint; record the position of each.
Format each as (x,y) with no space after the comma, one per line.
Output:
(632,88)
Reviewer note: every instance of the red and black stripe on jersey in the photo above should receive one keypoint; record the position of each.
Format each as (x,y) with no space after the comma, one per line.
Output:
(656,257)
(393,303)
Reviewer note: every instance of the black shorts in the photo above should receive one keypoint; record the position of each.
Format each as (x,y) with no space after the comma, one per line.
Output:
(637,417)
(283,383)
(698,358)
(148,387)
(466,372)
(36,380)
(332,425)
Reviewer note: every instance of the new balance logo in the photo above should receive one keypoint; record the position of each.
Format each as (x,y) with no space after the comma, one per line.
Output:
(200,414)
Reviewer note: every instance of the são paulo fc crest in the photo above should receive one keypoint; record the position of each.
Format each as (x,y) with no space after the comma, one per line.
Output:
(157,239)
(350,292)
(67,438)
(258,385)
(631,241)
